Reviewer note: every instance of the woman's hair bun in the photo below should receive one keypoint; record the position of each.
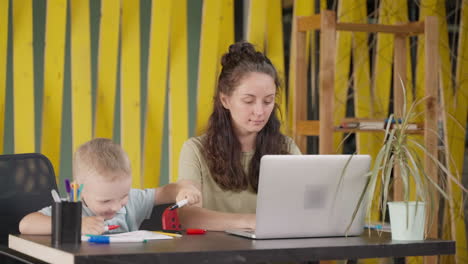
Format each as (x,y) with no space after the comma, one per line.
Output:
(239,52)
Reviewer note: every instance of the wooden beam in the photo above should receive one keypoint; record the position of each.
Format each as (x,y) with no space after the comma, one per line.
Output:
(300,94)
(408,28)
(399,84)
(431,81)
(308,127)
(327,75)
(307,23)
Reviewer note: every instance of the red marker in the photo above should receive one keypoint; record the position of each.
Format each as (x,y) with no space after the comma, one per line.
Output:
(195,231)
(111,227)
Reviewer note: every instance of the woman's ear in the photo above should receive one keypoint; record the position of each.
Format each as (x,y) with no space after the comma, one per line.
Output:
(224,100)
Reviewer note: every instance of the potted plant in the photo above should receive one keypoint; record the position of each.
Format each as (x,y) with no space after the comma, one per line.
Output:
(398,150)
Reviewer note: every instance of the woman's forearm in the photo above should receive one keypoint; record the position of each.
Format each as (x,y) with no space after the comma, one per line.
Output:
(197,217)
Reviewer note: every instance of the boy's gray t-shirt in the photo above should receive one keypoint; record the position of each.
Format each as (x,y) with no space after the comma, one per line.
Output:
(139,207)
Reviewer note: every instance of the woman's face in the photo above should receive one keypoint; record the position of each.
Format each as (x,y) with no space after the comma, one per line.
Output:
(251,103)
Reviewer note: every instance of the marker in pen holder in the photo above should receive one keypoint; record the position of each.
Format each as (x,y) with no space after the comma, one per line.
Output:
(66,222)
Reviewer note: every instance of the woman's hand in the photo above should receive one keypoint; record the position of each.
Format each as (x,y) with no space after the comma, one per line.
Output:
(187,190)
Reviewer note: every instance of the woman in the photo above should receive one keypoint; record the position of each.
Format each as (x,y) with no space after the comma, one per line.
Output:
(224,162)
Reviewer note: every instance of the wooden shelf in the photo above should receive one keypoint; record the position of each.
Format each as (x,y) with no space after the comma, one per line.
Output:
(328,26)
(358,130)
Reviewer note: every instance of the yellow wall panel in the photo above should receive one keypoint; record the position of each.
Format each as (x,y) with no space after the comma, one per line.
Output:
(54,59)
(428,8)
(342,68)
(226,30)
(401,16)
(23,79)
(458,109)
(3,61)
(301,8)
(80,72)
(362,92)
(383,62)
(107,68)
(130,89)
(156,97)
(256,23)
(208,61)
(275,48)
(178,113)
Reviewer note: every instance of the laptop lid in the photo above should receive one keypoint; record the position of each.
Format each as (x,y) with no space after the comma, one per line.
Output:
(301,195)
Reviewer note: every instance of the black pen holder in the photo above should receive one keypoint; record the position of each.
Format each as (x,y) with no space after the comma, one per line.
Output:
(66,222)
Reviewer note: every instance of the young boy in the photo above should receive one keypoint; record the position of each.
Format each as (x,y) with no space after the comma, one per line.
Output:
(104,170)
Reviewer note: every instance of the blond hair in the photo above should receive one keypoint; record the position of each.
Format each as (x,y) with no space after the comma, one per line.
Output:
(103,156)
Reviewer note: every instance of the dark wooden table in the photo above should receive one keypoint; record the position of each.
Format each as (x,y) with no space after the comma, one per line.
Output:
(218,247)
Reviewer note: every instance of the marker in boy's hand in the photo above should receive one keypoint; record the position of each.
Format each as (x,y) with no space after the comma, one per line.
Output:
(179,204)
(111,227)
(92,225)
(188,192)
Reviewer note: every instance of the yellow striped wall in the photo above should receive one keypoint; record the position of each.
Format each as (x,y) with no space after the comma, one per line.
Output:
(141,128)
(130,82)
(107,68)
(54,53)
(23,79)
(274,48)
(178,92)
(301,8)
(80,72)
(3,64)
(156,95)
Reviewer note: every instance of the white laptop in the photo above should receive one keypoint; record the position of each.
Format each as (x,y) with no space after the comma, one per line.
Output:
(301,196)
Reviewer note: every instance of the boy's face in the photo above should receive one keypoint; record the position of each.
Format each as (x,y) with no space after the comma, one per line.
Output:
(105,197)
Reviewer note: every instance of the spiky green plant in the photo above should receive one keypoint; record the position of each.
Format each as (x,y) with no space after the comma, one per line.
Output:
(398,149)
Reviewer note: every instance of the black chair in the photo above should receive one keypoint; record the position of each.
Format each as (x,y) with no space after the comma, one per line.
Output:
(26,182)
(154,222)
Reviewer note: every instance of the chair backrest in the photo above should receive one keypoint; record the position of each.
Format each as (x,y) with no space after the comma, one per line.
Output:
(155,220)
(26,181)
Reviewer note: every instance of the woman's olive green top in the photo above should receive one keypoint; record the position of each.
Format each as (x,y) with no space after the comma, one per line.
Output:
(193,166)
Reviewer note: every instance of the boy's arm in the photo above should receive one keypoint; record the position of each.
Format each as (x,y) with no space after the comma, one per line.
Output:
(197,217)
(36,224)
(174,192)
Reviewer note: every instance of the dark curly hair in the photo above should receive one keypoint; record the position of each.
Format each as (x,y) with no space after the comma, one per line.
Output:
(222,149)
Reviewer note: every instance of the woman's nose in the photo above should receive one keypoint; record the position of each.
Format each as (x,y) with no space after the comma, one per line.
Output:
(258,108)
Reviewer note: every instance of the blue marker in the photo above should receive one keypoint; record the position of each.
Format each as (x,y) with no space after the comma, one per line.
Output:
(108,239)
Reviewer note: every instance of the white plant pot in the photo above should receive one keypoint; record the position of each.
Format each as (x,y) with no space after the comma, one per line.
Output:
(405,227)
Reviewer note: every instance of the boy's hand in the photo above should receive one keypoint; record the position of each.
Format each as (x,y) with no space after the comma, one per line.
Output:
(92,225)
(189,192)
